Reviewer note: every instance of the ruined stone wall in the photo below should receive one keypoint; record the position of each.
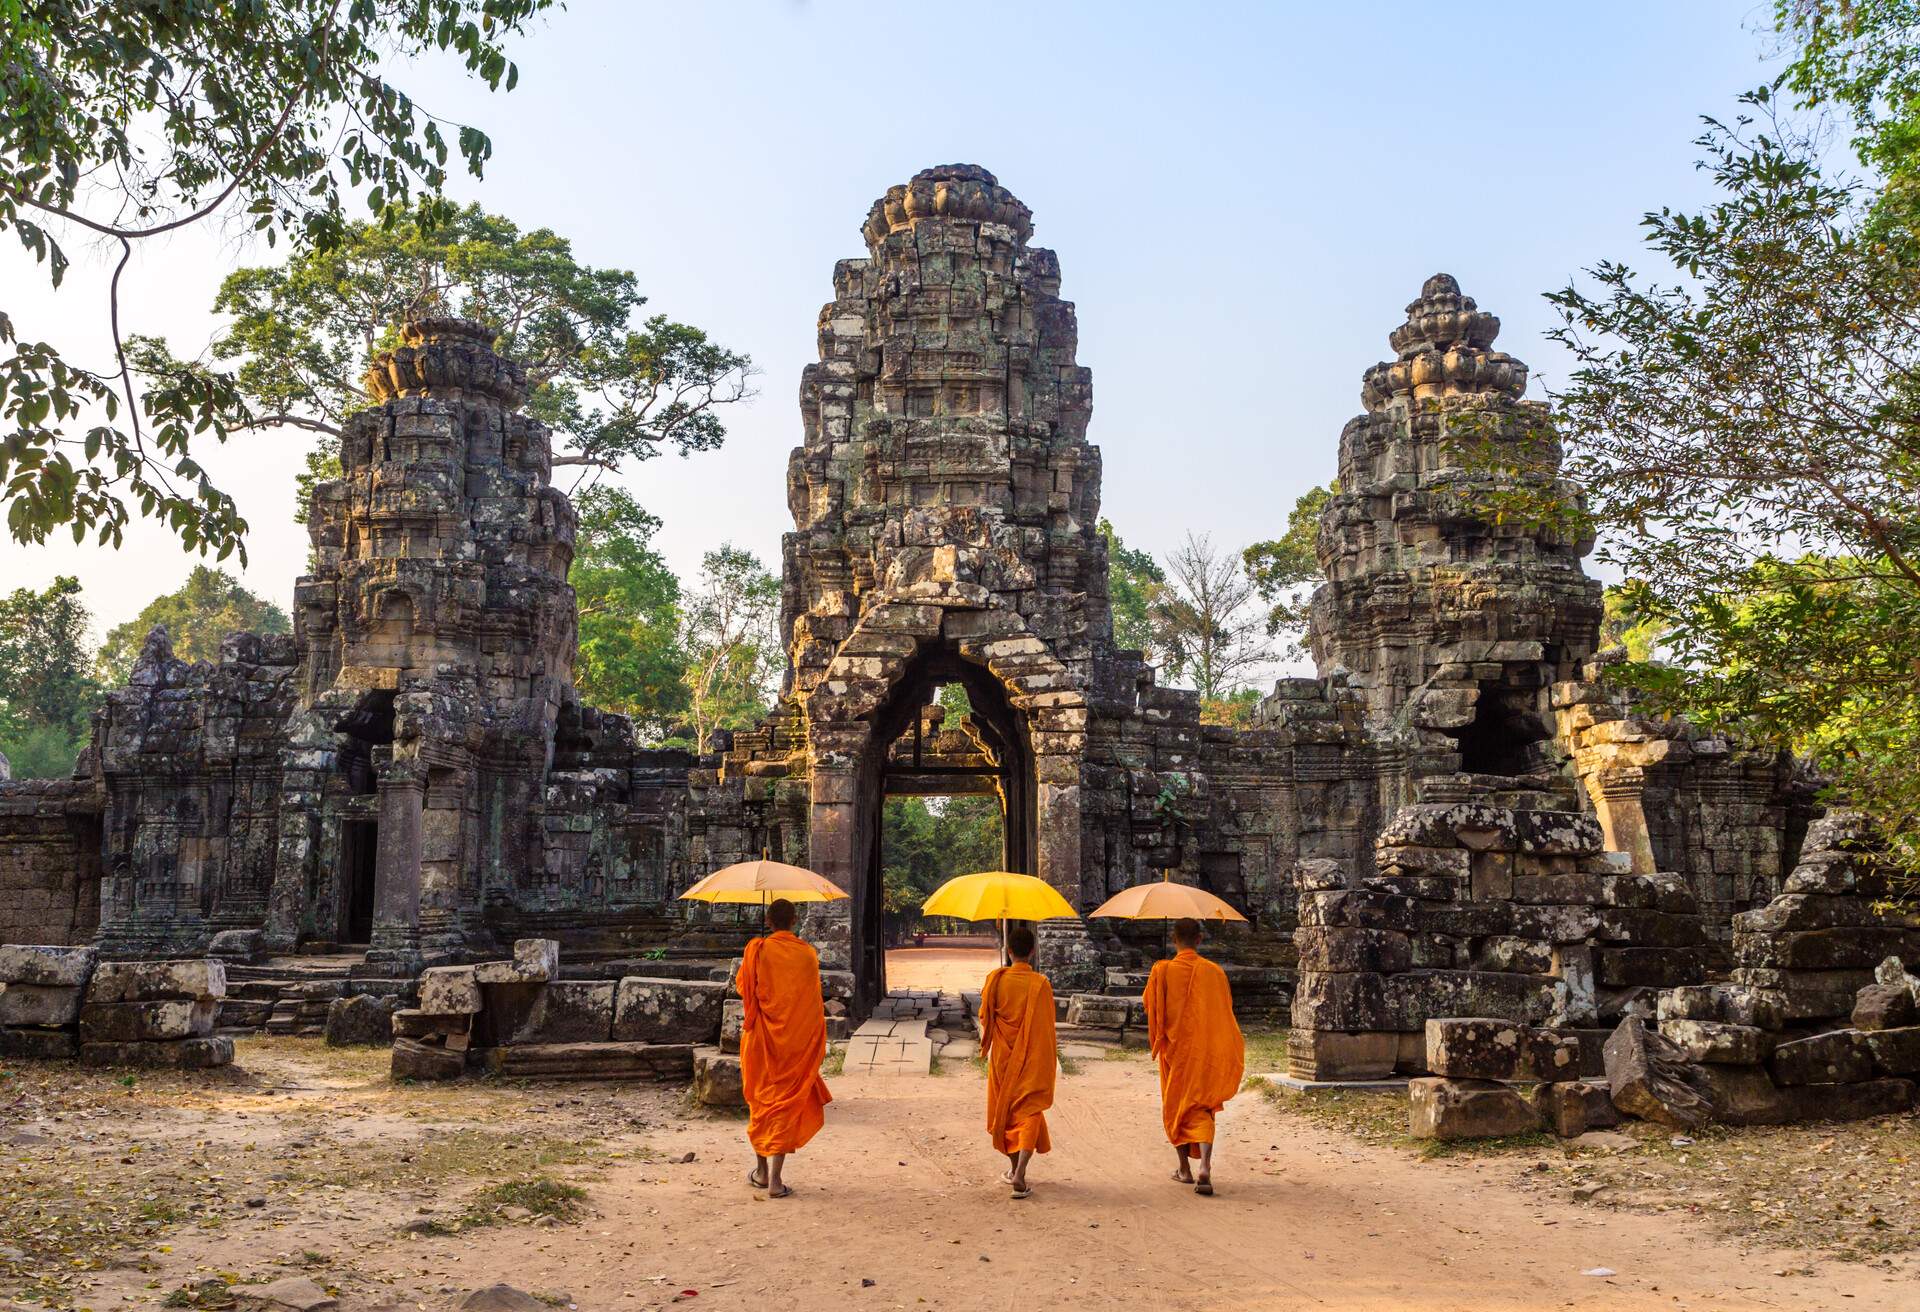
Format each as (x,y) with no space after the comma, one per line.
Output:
(49,861)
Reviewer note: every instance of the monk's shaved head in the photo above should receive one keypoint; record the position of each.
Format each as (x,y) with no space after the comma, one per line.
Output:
(780,914)
(1186,932)
(1020,942)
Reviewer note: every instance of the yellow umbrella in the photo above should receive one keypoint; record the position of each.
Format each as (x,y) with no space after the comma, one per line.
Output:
(1165,900)
(998,895)
(764,881)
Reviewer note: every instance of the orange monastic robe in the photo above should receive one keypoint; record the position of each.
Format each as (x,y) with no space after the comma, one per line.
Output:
(1016,1024)
(1191,1027)
(783,1037)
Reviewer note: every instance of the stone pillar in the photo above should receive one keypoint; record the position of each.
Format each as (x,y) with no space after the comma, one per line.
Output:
(396,880)
(834,850)
(441,847)
(1623,820)
(1067,951)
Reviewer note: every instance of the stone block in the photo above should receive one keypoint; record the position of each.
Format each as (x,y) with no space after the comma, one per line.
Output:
(1482,1048)
(565,1011)
(1330,1055)
(716,1080)
(46,966)
(1650,1079)
(1731,1004)
(414,1060)
(1850,1102)
(661,1063)
(154,981)
(667,1010)
(176,1054)
(1413,997)
(359,1020)
(1355,1002)
(1650,967)
(412,1023)
(1097,1011)
(1746,1095)
(1836,1057)
(1570,1108)
(449,991)
(42,1045)
(40,1004)
(1330,949)
(1896,1052)
(1467,1109)
(1514,956)
(132,1022)
(732,1016)
(1884,1007)
(537,958)
(1718,1043)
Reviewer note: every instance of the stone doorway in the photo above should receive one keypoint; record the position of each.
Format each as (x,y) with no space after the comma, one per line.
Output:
(359,857)
(973,744)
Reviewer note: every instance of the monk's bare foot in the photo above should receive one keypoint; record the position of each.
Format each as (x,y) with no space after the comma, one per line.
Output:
(1181,1177)
(784,1191)
(757,1180)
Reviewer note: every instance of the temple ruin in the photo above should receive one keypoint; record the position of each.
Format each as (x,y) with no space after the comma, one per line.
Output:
(1456,814)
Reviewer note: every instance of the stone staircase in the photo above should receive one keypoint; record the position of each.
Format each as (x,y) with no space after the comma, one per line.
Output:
(911,1028)
(284,995)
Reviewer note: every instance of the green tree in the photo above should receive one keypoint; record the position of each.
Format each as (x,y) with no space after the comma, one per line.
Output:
(1285,570)
(1132,578)
(1863,56)
(47,695)
(127,122)
(730,633)
(1748,438)
(630,658)
(612,386)
(199,615)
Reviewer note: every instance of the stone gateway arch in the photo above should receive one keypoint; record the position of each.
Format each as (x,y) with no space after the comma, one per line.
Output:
(413,778)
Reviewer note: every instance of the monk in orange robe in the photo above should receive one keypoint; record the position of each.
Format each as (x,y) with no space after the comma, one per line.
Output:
(783,1037)
(1193,1033)
(1016,1028)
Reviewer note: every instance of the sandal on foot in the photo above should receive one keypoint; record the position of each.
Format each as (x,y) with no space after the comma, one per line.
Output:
(1018,1194)
(1181,1179)
(755,1182)
(784,1191)
(1204,1188)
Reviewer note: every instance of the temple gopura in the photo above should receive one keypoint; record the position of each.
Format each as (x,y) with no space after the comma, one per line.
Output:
(412,774)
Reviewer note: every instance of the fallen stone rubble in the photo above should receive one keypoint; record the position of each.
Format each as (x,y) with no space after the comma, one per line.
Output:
(63,1003)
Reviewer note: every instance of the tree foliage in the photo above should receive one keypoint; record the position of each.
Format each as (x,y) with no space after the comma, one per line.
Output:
(47,692)
(613,386)
(926,841)
(198,615)
(1285,570)
(1133,576)
(730,633)
(630,657)
(127,122)
(1205,620)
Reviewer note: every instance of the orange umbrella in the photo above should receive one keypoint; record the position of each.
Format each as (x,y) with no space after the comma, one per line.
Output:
(1165,900)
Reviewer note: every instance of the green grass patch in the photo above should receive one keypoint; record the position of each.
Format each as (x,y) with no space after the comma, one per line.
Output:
(1069,1065)
(1266,1051)
(835,1062)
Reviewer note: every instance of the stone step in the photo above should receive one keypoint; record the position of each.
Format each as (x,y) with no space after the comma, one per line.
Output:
(660,1063)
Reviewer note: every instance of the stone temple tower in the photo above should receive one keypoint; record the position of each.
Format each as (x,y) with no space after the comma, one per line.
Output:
(1450,627)
(436,637)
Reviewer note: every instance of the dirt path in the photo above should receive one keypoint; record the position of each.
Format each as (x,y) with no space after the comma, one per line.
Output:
(948,969)
(898,1190)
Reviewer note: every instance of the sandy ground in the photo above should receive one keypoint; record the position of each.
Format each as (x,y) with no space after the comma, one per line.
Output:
(954,969)
(899,1190)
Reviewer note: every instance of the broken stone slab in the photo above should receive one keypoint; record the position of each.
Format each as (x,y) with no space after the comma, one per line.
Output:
(240,946)
(412,1023)
(565,1011)
(1449,1109)
(716,1080)
(1569,1108)
(647,1010)
(534,961)
(359,1020)
(733,1016)
(1731,1004)
(1746,1095)
(1892,973)
(155,981)
(501,1298)
(449,991)
(1720,1044)
(1649,1078)
(1322,1055)
(664,1063)
(414,1060)
(133,1022)
(1331,948)
(1896,1052)
(46,966)
(1850,1102)
(177,1054)
(1484,1048)
(40,1004)
(1884,1007)
(40,1044)
(1836,1057)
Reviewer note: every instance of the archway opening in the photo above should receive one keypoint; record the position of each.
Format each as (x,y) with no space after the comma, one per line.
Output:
(947,788)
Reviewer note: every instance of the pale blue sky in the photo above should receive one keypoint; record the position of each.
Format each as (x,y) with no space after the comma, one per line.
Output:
(1243,197)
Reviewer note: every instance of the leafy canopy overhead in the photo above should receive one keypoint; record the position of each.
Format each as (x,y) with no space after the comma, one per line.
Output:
(631,659)
(125,122)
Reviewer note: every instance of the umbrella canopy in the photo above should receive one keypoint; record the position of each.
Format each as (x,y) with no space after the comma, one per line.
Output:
(998,895)
(1165,900)
(762,882)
